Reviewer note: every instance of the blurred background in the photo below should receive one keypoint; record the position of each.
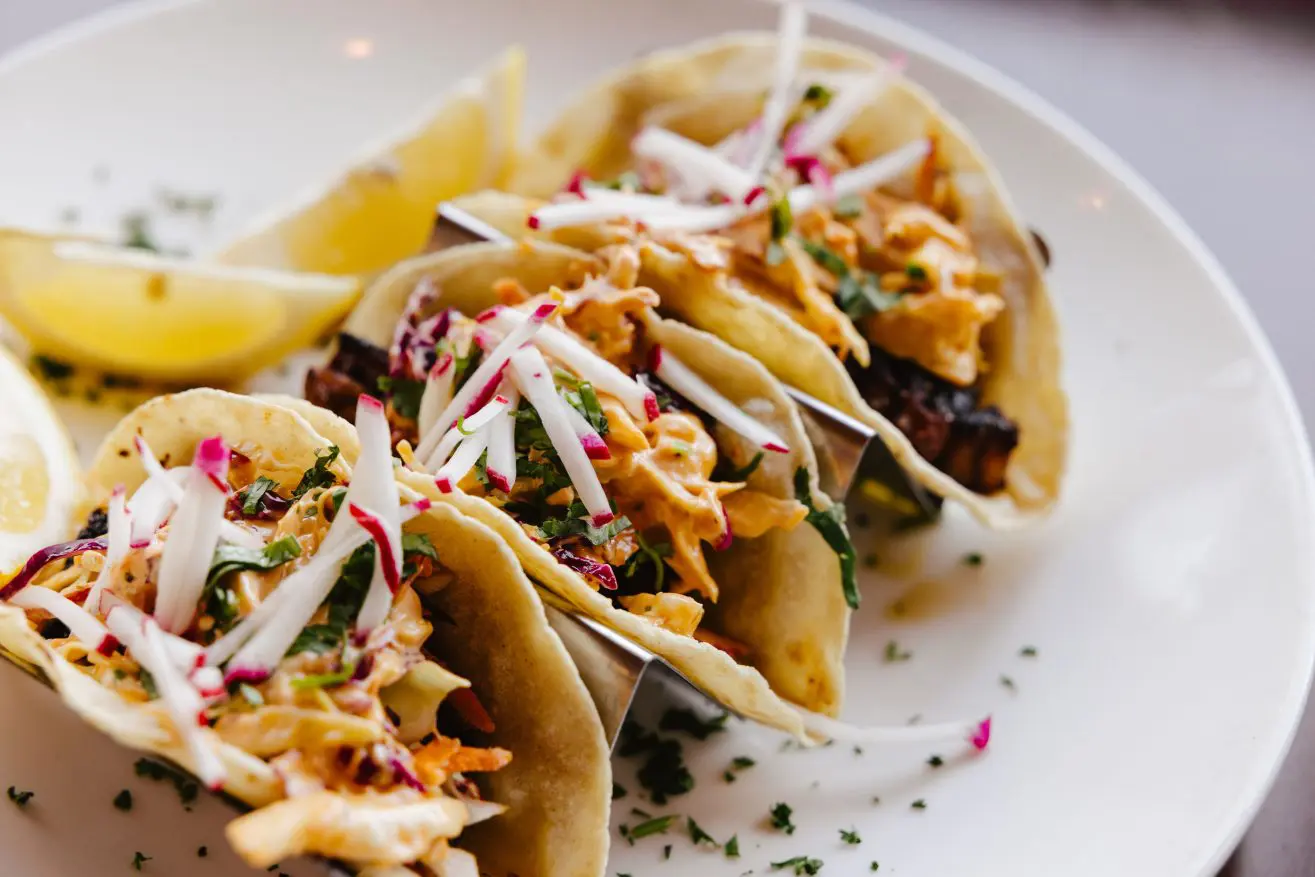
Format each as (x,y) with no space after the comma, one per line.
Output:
(1213,101)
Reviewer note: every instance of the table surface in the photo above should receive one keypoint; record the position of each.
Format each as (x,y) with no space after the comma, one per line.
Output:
(1214,103)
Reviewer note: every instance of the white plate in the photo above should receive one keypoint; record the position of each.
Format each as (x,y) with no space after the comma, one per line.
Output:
(1170,599)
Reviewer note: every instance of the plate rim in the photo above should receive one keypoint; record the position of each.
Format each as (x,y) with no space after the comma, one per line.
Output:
(849,14)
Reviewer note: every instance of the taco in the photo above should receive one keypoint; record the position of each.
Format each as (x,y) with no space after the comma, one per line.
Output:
(371,674)
(645,472)
(803,201)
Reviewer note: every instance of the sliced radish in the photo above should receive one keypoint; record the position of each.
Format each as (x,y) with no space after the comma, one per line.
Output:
(161,493)
(81,623)
(978,734)
(486,377)
(687,383)
(437,394)
(118,535)
(587,365)
(185,654)
(587,212)
(209,681)
(373,486)
(466,427)
(695,218)
(863,178)
(145,642)
(594,446)
(535,381)
(501,463)
(791,27)
(696,164)
(193,536)
(450,473)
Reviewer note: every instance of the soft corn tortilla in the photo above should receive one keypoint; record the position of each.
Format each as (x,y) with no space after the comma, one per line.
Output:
(558,785)
(781,593)
(711,88)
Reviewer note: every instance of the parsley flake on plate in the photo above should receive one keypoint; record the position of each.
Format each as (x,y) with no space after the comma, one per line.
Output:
(800,865)
(781,814)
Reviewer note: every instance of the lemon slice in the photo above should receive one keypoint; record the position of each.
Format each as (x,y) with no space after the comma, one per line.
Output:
(39,482)
(133,312)
(381,209)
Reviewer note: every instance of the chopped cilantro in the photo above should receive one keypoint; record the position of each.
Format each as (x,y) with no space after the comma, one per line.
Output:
(1027,651)
(221,602)
(894,654)
(317,638)
(147,682)
(800,865)
(818,93)
(688,722)
(656,825)
(858,293)
(635,739)
(403,394)
(876,866)
(850,836)
(697,835)
(919,804)
(728,776)
(137,235)
(732,847)
(781,217)
(780,814)
(20,797)
(618,791)
(252,495)
(584,399)
(826,257)
(973,559)
(740,762)
(849,207)
(318,475)
(138,860)
(576,523)
(324,680)
(186,787)
(1007,682)
(664,774)
(914,271)
(831,524)
(935,761)
(741,473)
(627,182)
(647,554)
(123,801)
(344,602)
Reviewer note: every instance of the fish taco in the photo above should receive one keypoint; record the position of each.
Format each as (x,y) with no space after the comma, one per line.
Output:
(644,471)
(805,202)
(369,673)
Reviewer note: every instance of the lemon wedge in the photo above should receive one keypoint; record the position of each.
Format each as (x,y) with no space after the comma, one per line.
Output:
(382,208)
(39,481)
(170,320)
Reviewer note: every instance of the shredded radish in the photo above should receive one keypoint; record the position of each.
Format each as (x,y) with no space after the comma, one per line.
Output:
(118,535)
(587,365)
(209,681)
(687,383)
(697,165)
(534,378)
(374,486)
(820,131)
(193,536)
(977,734)
(145,642)
(161,492)
(863,178)
(465,428)
(695,218)
(437,394)
(792,25)
(590,440)
(449,475)
(487,376)
(501,463)
(571,213)
(81,623)
(186,655)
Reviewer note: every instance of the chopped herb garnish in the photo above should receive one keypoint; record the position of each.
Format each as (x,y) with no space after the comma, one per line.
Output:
(252,495)
(732,847)
(20,797)
(800,865)
(635,739)
(665,774)
(858,750)
(849,206)
(147,682)
(858,293)
(728,776)
(584,399)
(138,860)
(919,804)
(688,722)
(577,524)
(741,473)
(403,394)
(782,218)
(618,791)
(137,233)
(817,92)
(627,182)
(894,654)
(935,761)
(1008,682)
(1027,651)
(123,801)
(324,680)
(230,558)
(186,787)
(914,271)
(697,835)
(830,523)
(740,762)
(656,825)
(850,836)
(780,814)
(646,555)
(318,475)
(972,559)
(876,866)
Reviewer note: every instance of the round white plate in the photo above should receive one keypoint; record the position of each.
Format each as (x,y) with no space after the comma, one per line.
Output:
(1169,599)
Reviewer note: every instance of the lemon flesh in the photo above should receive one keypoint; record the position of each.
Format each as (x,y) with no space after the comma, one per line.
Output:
(382,208)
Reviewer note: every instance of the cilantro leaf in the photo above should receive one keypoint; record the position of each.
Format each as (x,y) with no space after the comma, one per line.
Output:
(697,835)
(831,524)
(740,473)
(253,495)
(690,723)
(584,398)
(319,474)
(20,797)
(780,814)
(403,393)
(656,825)
(800,865)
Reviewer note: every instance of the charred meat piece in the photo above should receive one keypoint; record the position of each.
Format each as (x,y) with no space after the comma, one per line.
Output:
(948,425)
(356,368)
